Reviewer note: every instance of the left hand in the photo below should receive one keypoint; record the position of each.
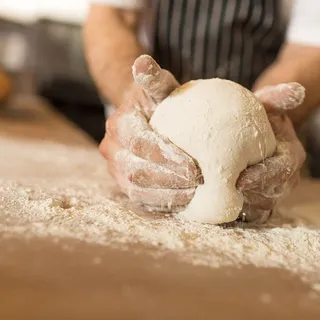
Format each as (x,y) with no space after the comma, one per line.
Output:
(266,183)
(149,168)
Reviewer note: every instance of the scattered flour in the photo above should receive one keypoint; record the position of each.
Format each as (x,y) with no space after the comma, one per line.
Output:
(64,191)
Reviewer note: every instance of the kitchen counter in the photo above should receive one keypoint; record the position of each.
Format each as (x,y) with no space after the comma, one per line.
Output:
(49,274)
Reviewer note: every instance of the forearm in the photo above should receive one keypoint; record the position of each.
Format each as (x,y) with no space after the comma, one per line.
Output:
(300,64)
(111,47)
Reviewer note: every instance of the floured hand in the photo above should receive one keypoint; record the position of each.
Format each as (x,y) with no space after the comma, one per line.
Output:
(148,168)
(265,184)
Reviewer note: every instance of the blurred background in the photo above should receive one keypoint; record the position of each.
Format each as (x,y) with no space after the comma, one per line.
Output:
(41,53)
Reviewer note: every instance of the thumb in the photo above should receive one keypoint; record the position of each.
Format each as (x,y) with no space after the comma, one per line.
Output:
(281,97)
(157,83)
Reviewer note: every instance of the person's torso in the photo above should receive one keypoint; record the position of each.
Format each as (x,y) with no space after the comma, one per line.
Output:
(232,39)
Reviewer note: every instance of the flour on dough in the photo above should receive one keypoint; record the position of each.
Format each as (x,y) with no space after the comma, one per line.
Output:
(225,128)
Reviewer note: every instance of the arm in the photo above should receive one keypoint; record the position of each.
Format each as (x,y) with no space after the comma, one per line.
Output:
(264,185)
(299,59)
(111,47)
(296,63)
(143,163)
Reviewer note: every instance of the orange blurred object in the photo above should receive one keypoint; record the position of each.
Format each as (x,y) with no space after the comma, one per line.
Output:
(5,86)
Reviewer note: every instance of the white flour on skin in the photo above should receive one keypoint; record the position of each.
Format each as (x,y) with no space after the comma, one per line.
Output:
(157,82)
(136,132)
(132,165)
(288,101)
(64,192)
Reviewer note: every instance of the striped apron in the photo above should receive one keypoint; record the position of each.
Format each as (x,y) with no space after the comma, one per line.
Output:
(230,39)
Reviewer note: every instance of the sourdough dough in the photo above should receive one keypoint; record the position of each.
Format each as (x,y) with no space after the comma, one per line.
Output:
(225,128)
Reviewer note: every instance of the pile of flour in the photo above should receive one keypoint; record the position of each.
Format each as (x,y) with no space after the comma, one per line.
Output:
(51,190)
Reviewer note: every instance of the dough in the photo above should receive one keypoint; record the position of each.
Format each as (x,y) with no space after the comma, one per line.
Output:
(225,129)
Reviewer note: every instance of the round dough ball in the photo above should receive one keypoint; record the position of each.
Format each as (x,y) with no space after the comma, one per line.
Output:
(224,128)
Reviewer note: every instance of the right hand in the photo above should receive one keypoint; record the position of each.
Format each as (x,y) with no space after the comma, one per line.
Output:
(265,184)
(148,168)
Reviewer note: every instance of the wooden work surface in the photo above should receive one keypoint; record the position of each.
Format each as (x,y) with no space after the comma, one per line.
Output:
(40,279)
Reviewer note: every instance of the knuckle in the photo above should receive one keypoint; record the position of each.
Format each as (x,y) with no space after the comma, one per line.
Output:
(302,155)
(136,177)
(102,148)
(106,149)
(135,145)
(131,177)
(110,124)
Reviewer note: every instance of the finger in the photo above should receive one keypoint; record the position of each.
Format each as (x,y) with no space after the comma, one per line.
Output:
(276,170)
(282,127)
(153,148)
(125,123)
(260,201)
(262,174)
(107,149)
(267,198)
(258,206)
(162,199)
(280,191)
(103,146)
(157,82)
(254,215)
(166,200)
(145,173)
(281,97)
(133,133)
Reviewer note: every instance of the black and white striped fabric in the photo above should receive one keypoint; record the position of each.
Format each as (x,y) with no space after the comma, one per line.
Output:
(231,39)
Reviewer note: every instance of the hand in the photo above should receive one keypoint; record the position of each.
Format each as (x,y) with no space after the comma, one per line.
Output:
(266,183)
(148,168)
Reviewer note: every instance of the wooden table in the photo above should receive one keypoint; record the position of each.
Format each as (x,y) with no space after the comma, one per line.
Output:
(40,279)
